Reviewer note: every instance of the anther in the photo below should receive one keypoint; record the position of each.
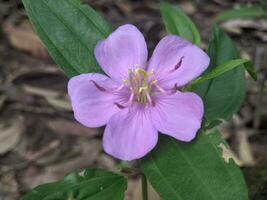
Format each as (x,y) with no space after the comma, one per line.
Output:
(141,89)
(140,71)
(154,82)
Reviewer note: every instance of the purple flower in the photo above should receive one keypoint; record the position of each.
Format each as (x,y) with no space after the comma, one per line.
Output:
(138,99)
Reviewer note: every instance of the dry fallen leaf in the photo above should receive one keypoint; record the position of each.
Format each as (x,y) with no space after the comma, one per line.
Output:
(23,38)
(62,103)
(261,35)
(66,127)
(91,150)
(134,191)
(107,162)
(8,183)
(54,98)
(244,149)
(8,186)
(228,154)
(188,7)
(37,91)
(10,133)
(237,26)
(34,176)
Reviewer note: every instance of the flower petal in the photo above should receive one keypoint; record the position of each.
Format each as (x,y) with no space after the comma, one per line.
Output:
(121,51)
(178,115)
(177,61)
(93,106)
(129,134)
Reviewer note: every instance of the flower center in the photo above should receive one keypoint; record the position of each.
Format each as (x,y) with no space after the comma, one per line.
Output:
(141,85)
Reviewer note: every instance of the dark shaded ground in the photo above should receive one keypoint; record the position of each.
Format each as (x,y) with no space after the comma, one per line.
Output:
(41,142)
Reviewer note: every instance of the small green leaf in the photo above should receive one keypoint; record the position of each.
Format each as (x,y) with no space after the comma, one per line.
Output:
(223,95)
(212,124)
(70,31)
(242,12)
(178,23)
(195,170)
(251,70)
(93,184)
(219,70)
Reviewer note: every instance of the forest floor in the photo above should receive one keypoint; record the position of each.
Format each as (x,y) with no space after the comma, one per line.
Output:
(41,142)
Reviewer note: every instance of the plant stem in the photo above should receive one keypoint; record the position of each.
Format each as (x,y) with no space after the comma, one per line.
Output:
(144,187)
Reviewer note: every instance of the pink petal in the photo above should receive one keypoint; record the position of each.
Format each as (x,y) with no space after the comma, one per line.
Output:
(177,61)
(129,134)
(178,115)
(93,107)
(121,51)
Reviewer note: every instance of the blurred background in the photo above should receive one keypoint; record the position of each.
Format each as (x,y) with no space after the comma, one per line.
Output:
(41,142)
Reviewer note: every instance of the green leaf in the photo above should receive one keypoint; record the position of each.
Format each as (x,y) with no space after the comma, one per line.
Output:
(93,184)
(194,171)
(251,70)
(223,95)
(211,124)
(217,71)
(70,31)
(264,5)
(178,23)
(242,12)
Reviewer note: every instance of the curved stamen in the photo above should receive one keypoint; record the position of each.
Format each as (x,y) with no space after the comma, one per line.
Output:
(160,88)
(148,98)
(141,85)
(130,99)
(141,89)
(128,103)
(120,88)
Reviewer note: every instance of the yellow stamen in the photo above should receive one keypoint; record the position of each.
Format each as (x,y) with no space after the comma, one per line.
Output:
(141,89)
(139,82)
(154,82)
